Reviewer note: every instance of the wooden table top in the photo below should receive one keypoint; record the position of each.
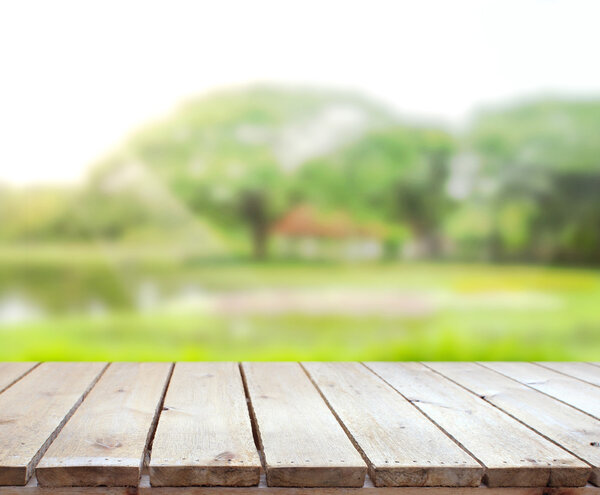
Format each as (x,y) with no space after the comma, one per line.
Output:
(296,428)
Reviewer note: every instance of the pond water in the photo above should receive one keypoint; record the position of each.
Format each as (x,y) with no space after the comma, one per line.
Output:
(30,292)
(15,308)
(148,296)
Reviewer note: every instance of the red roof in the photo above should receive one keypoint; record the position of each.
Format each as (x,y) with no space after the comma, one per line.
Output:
(305,221)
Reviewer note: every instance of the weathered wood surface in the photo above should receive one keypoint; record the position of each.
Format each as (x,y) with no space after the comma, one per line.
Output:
(144,488)
(572,391)
(204,436)
(401,446)
(583,371)
(573,430)
(33,410)
(512,454)
(104,442)
(303,443)
(11,372)
(319,426)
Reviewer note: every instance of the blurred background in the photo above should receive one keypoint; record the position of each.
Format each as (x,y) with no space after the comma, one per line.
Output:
(300,180)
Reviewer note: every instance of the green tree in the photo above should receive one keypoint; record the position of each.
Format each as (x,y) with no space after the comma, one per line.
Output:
(231,156)
(395,174)
(540,160)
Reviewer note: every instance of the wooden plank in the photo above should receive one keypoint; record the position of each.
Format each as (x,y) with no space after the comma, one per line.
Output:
(34,409)
(105,440)
(512,454)
(303,443)
(11,372)
(401,446)
(144,488)
(573,430)
(204,435)
(367,489)
(582,371)
(576,393)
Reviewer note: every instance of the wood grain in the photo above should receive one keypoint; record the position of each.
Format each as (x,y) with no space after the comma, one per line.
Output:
(105,440)
(303,443)
(573,430)
(576,393)
(11,372)
(204,435)
(360,399)
(512,454)
(367,489)
(582,371)
(401,446)
(144,488)
(34,409)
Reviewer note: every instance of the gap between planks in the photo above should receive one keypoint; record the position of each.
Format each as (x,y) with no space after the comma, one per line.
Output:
(253,422)
(303,443)
(396,456)
(12,372)
(36,408)
(571,391)
(568,428)
(204,436)
(255,427)
(586,372)
(106,440)
(512,454)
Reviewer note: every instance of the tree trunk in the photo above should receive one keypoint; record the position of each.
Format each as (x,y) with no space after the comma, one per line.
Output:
(260,235)
(255,211)
(426,237)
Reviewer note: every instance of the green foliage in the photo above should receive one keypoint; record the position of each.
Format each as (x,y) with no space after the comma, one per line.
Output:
(32,214)
(542,160)
(558,135)
(226,156)
(395,174)
(223,168)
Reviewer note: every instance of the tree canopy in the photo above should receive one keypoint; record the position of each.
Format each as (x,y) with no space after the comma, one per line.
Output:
(520,183)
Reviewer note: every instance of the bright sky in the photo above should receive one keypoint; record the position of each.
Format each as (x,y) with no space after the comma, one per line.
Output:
(77,77)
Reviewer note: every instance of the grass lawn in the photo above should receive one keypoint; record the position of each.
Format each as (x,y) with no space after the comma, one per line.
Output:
(481,312)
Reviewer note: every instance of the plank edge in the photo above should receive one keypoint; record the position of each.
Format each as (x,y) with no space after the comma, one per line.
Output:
(184,476)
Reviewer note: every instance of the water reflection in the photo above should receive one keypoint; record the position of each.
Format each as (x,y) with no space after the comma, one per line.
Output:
(147,295)
(187,297)
(15,308)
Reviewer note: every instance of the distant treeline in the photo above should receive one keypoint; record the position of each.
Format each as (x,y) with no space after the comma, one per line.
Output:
(521,183)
